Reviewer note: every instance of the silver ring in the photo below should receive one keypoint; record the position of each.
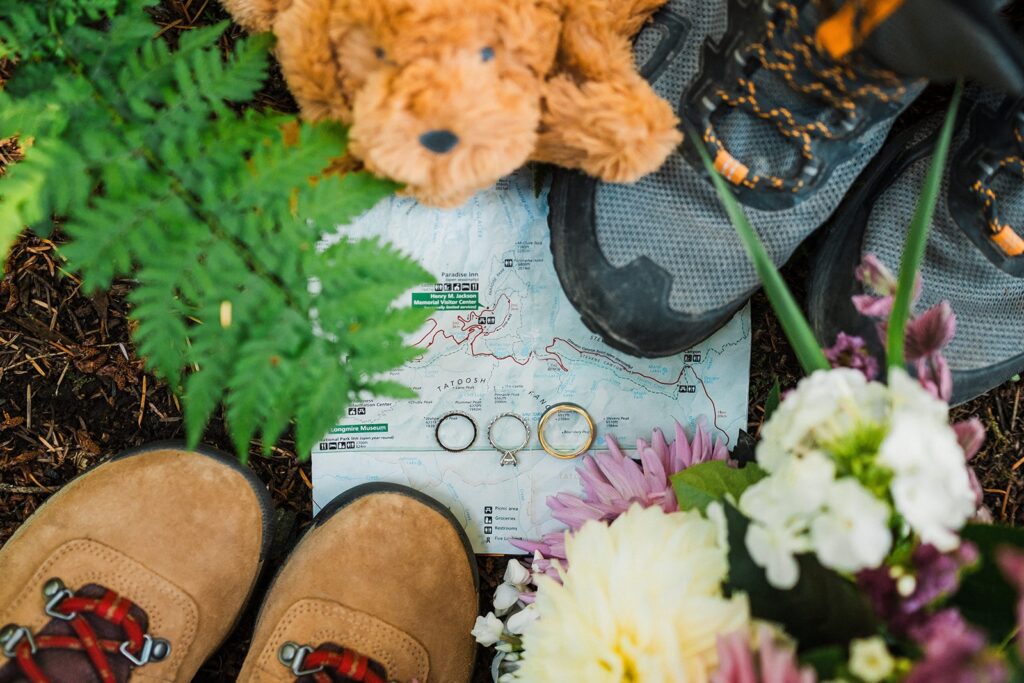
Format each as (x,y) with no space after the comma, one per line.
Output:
(508,455)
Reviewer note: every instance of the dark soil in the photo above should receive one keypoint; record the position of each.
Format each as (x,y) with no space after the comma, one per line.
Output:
(73,393)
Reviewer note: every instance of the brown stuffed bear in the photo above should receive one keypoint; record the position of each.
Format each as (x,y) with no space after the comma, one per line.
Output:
(447,96)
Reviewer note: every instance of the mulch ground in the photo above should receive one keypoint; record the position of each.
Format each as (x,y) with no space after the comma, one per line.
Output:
(73,392)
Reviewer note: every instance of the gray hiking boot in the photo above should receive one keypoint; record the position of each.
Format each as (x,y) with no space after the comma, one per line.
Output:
(791,115)
(975,252)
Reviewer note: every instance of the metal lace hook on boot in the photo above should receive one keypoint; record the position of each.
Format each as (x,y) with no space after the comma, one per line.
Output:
(152,650)
(11,636)
(55,593)
(293,655)
(508,455)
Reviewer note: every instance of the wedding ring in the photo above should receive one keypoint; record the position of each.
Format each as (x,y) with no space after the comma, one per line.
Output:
(565,408)
(448,416)
(508,455)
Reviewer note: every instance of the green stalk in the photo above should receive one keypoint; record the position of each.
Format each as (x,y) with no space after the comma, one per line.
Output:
(792,319)
(917,239)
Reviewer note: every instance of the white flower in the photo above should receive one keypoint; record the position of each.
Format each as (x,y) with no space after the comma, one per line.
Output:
(870,660)
(516,574)
(826,403)
(521,620)
(803,484)
(505,596)
(853,531)
(931,486)
(642,600)
(906,585)
(769,502)
(488,630)
(908,396)
(773,548)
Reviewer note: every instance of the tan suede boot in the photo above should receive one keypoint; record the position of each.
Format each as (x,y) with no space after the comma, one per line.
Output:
(136,570)
(383,587)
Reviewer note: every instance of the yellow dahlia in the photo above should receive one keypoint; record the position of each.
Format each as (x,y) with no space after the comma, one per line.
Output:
(641,601)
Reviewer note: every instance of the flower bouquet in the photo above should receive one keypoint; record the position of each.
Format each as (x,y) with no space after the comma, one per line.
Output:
(854,547)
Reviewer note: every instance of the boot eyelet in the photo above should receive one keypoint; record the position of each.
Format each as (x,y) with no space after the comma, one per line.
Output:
(10,637)
(293,655)
(153,650)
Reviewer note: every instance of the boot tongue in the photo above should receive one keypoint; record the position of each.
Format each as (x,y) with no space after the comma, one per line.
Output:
(331,662)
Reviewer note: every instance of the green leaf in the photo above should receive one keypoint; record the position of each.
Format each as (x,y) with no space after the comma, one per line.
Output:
(771,404)
(318,411)
(215,214)
(203,391)
(707,482)
(827,661)
(822,609)
(985,598)
(917,238)
(792,319)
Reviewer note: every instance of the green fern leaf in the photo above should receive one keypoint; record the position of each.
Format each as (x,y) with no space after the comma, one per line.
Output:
(216,216)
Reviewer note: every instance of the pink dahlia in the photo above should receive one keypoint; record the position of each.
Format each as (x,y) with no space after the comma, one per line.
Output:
(612,482)
(774,663)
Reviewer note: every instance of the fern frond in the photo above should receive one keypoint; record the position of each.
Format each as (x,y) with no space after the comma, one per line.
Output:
(27,28)
(215,214)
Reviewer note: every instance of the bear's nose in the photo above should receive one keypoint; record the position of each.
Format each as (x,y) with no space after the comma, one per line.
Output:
(439,141)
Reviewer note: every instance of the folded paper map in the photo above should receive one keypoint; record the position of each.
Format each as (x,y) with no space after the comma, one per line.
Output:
(504,338)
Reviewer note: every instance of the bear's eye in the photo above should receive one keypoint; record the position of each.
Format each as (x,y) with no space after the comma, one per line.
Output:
(379,52)
(487,54)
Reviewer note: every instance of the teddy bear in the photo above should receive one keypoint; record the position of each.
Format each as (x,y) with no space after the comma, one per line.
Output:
(447,96)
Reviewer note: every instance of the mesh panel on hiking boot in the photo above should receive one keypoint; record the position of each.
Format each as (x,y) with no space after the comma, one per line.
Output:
(674,217)
(646,43)
(762,147)
(988,302)
(759,143)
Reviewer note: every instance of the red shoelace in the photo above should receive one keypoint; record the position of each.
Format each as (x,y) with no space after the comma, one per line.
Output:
(324,664)
(111,607)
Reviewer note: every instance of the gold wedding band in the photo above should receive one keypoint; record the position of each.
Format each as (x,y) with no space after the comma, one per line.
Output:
(565,408)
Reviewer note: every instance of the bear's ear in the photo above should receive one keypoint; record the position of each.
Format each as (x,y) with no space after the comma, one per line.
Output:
(531,29)
(256,16)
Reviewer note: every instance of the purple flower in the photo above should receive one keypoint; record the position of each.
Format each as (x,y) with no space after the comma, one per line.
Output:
(775,663)
(873,306)
(550,547)
(926,334)
(971,435)
(852,352)
(873,274)
(935,376)
(954,652)
(881,285)
(933,577)
(938,574)
(930,332)
(612,481)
